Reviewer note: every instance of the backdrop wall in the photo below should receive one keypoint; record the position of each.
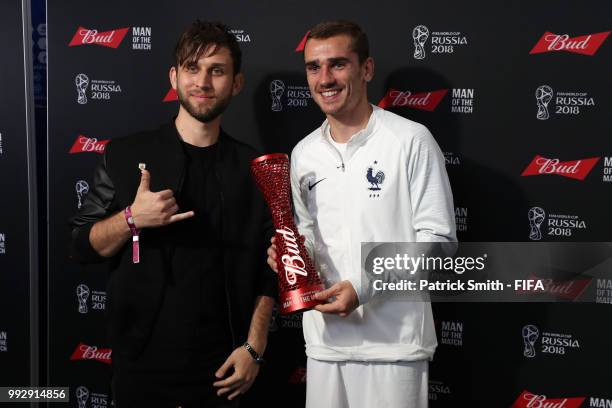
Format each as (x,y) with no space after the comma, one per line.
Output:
(509,90)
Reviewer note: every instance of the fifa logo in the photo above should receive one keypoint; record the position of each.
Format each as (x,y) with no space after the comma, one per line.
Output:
(81,187)
(420,34)
(530,336)
(543,96)
(536,218)
(277,88)
(82,395)
(81,82)
(82,293)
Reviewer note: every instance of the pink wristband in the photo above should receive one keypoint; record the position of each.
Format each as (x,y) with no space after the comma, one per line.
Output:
(135,231)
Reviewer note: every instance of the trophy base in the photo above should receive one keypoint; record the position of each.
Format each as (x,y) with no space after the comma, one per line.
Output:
(300,299)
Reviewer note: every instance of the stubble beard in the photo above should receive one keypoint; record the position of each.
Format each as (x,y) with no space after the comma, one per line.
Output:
(207,115)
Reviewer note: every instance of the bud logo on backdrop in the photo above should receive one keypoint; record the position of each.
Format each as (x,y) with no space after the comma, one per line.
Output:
(607,169)
(550,343)
(141,37)
(451,159)
(85,352)
(531,400)
(556,225)
(95,399)
(302,43)
(86,36)
(2,243)
(562,289)
(84,144)
(575,169)
(82,188)
(451,333)
(171,96)
(584,44)
(99,90)
(442,42)
(241,35)
(97,299)
(461,219)
(296,96)
(3,342)
(566,103)
(604,291)
(436,389)
(427,101)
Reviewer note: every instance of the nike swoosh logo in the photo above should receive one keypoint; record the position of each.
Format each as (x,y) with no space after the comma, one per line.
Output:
(311,186)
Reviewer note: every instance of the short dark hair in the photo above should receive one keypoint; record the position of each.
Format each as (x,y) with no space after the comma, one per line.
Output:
(196,39)
(328,29)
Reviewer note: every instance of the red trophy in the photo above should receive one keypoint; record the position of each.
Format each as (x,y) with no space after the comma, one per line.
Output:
(297,279)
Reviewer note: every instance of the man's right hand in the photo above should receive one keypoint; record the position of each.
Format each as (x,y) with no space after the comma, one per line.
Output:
(155,209)
(272,255)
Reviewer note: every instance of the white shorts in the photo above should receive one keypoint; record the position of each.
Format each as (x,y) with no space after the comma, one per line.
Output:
(352,384)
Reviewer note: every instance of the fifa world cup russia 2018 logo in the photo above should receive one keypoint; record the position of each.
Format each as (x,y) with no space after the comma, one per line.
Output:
(82,394)
(82,188)
(277,87)
(536,218)
(543,96)
(82,82)
(420,35)
(82,293)
(530,336)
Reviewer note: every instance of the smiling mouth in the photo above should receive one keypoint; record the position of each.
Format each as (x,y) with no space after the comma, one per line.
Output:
(330,93)
(202,96)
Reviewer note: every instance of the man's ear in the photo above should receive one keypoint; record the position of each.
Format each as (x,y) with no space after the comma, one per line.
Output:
(368,66)
(238,83)
(172,75)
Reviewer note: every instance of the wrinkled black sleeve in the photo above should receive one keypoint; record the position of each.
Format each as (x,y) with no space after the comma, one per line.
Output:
(97,205)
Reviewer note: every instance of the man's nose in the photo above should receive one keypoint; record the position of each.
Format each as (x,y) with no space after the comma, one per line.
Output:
(203,79)
(327,77)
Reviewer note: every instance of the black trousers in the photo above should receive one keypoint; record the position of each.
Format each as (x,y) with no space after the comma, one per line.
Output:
(146,391)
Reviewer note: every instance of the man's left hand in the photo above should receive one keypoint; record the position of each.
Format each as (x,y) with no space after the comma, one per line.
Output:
(346,299)
(245,372)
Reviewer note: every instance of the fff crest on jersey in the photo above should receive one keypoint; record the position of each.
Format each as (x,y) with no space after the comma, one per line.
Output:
(375,179)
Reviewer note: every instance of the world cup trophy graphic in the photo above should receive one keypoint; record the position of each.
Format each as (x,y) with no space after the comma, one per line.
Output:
(530,335)
(543,96)
(81,82)
(82,395)
(536,218)
(298,280)
(82,293)
(81,187)
(277,87)
(420,34)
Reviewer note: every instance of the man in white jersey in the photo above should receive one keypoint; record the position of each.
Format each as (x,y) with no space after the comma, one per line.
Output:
(366,175)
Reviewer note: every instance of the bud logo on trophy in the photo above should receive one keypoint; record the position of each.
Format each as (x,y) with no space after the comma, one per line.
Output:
(298,280)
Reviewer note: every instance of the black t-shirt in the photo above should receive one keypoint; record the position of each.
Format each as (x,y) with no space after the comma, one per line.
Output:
(192,333)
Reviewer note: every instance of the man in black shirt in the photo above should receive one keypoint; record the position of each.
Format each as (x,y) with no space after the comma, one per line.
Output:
(190,298)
